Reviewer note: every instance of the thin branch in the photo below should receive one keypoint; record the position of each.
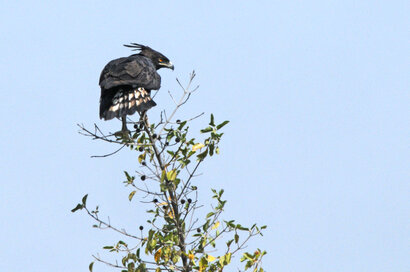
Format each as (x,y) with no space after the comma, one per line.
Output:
(189,179)
(182,101)
(108,225)
(112,153)
(108,263)
(121,267)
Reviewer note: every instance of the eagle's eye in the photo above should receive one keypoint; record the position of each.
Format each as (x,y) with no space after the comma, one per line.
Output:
(160,60)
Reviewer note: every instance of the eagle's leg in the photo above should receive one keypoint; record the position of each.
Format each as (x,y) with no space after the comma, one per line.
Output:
(124,124)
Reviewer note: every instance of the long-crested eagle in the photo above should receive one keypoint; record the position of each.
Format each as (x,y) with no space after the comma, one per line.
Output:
(126,83)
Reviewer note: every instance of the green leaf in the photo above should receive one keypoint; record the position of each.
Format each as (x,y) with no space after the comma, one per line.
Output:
(141,157)
(225,260)
(127,175)
(90,267)
(210,214)
(84,200)
(172,175)
(236,238)
(153,243)
(221,192)
(131,267)
(211,149)
(248,256)
(206,130)
(230,223)
(212,123)
(163,187)
(228,257)
(222,260)
(203,263)
(239,227)
(163,175)
(175,259)
(131,195)
(206,225)
(197,146)
(78,207)
(151,234)
(222,124)
(141,268)
(182,124)
(202,155)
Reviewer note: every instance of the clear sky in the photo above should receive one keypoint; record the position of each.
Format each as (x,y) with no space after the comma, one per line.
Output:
(317,93)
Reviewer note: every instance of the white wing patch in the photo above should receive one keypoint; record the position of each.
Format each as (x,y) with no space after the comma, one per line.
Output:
(128,102)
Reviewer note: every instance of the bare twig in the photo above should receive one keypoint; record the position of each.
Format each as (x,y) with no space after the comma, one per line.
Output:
(108,225)
(112,153)
(187,93)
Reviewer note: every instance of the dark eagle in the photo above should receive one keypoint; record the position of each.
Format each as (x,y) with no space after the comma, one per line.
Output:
(126,83)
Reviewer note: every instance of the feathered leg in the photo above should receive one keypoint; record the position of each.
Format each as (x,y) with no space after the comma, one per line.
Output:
(124,128)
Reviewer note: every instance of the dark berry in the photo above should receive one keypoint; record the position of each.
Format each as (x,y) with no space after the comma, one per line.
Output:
(177,139)
(182,201)
(136,126)
(155,200)
(141,126)
(189,200)
(144,163)
(154,136)
(178,121)
(137,130)
(141,227)
(159,137)
(166,143)
(140,149)
(198,230)
(143,177)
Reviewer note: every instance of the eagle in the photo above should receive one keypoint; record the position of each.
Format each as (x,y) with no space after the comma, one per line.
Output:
(126,83)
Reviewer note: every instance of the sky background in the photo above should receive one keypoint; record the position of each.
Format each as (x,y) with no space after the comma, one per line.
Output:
(317,93)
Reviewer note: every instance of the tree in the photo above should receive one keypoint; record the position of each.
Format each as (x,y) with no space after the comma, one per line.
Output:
(177,239)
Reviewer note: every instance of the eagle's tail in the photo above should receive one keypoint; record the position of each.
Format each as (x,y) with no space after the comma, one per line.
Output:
(125,102)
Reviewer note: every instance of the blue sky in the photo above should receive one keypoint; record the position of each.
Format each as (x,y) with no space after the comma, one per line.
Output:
(317,93)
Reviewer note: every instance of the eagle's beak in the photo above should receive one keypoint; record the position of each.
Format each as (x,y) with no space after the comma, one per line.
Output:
(168,65)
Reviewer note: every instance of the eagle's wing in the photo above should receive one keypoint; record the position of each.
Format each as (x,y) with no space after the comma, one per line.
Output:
(135,70)
(125,86)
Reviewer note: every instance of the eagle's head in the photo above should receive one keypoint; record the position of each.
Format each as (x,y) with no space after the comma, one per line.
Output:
(159,60)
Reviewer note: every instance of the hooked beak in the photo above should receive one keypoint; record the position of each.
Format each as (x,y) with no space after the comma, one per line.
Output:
(168,65)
